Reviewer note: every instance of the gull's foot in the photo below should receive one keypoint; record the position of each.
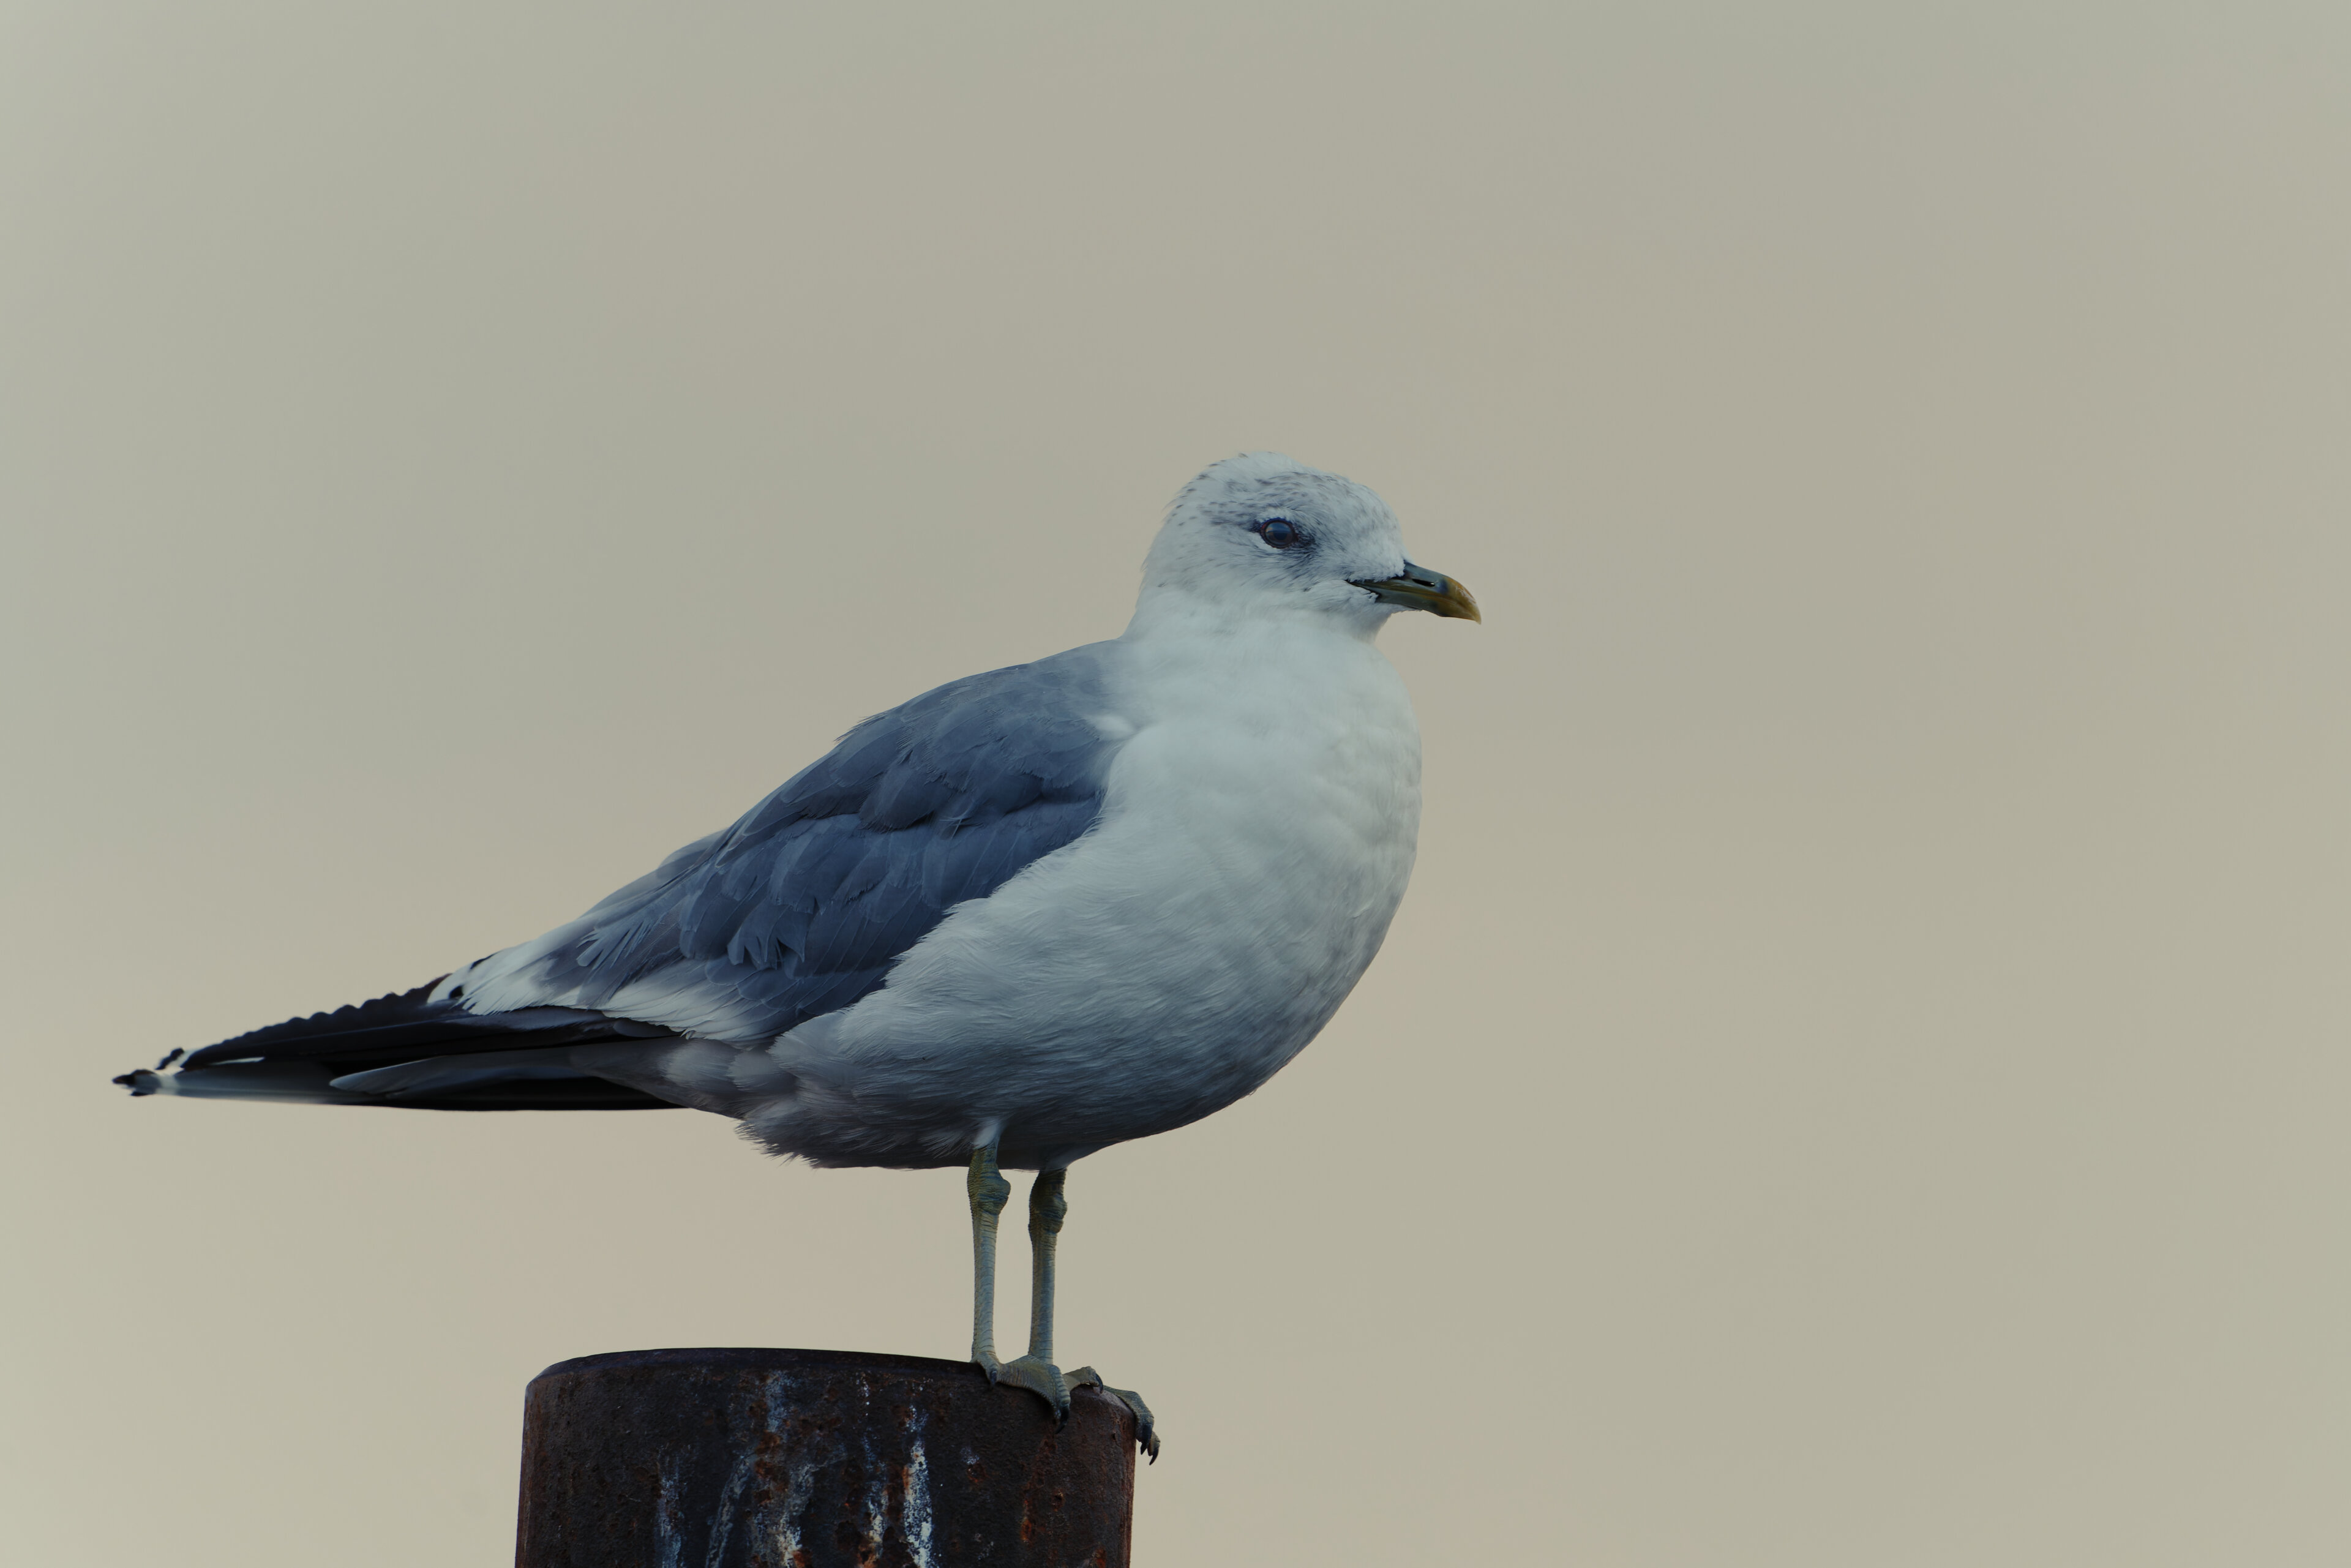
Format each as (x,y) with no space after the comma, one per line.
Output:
(1042,1378)
(1145,1433)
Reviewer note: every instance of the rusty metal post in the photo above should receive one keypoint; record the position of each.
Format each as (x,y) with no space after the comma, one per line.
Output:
(808,1459)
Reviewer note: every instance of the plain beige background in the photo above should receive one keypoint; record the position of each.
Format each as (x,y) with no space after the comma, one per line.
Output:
(1859,1081)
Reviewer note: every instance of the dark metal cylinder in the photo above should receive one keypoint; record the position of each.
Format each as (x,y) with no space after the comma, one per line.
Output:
(808,1459)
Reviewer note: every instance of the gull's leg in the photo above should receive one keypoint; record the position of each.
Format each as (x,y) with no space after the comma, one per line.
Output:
(1047,1209)
(988,1190)
(1035,1371)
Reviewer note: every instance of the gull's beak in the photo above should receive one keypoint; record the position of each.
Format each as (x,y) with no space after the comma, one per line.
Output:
(1420,589)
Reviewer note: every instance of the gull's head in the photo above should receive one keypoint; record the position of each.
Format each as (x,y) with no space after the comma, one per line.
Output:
(1262,534)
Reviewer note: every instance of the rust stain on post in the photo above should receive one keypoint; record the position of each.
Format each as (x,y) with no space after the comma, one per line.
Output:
(813,1458)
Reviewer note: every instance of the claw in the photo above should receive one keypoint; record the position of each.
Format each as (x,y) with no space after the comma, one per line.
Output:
(1146,1434)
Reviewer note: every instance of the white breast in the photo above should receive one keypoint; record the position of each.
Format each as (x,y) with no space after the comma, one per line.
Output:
(1256,834)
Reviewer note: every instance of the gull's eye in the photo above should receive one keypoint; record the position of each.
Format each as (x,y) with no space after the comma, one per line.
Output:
(1281,533)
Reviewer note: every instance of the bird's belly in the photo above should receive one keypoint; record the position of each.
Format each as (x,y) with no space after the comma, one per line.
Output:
(1155,971)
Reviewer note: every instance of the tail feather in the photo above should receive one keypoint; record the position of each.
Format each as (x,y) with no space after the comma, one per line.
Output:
(327,1058)
(411,1024)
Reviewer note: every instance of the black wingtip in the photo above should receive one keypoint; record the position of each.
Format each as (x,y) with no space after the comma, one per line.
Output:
(177,1053)
(140,1081)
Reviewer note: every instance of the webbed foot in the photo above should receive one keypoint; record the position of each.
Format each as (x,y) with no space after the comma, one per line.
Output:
(1147,1433)
(1039,1377)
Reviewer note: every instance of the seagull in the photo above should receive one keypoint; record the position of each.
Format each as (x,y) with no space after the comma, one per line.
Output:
(1022,917)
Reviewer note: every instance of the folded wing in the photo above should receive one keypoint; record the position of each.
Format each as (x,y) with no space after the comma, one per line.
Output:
(797,910)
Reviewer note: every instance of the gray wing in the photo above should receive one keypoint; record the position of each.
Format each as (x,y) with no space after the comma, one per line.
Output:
(797,910)
(801,907)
